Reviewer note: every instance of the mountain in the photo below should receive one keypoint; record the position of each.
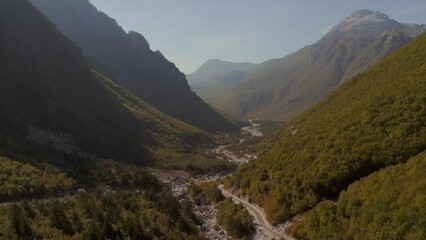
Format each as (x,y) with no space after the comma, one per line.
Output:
(283,88)
(373,120)
(370,23)
(50,96)
(215,76)
(214,68)
(128,58)
(48,90)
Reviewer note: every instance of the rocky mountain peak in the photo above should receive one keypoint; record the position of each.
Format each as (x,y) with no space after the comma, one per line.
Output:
(367,13)
(138,40)
(366,21)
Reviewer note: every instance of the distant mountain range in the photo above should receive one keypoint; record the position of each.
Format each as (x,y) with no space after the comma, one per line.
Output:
(215,68)
(127,57)
(282,88)
(215,76)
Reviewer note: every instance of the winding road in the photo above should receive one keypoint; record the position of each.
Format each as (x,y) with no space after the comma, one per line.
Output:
(258,215)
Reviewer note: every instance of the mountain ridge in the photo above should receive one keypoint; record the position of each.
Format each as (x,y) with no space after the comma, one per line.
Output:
(51,96)
(148,74)
(283,88)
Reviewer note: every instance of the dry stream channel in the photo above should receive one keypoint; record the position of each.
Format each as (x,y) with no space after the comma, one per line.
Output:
(206,214)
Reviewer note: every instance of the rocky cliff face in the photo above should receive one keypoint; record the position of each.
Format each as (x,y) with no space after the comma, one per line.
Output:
(128,57)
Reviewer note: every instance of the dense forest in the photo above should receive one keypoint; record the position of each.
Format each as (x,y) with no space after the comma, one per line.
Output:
(375,119)
(388,204)
(122,201)
(111,215)
(20,180)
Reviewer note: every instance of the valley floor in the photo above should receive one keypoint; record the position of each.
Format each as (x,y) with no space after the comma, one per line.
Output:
(179,181)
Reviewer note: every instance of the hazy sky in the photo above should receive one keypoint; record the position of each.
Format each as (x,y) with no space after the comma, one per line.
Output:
(189,32)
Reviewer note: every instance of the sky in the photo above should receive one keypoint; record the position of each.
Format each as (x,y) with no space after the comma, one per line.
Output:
(190,32)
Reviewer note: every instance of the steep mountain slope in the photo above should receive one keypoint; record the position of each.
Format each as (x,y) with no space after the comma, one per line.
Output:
(49,95)
(375,119)
(388,204)
(47,86)
(215,76)
(285,87)
(129,59)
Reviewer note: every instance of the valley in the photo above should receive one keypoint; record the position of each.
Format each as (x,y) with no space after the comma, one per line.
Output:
(299,135)
(179,181)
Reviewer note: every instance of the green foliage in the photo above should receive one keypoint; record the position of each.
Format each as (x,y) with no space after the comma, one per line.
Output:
(374,120)
(235,218)
(249,146)
(207,191)
(119,215)
(130,204)
(118,174)
(388,204)
(197,163)
(20,180)
(268,127)
(18,226)
(58,219)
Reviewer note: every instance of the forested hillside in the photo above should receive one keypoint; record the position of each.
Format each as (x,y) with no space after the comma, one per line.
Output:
(388,204)
(375,119)
(135,206)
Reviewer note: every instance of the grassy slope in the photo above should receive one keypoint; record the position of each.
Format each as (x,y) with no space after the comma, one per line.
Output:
(374,120)
(167,131)
(388,204)
(177,144)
